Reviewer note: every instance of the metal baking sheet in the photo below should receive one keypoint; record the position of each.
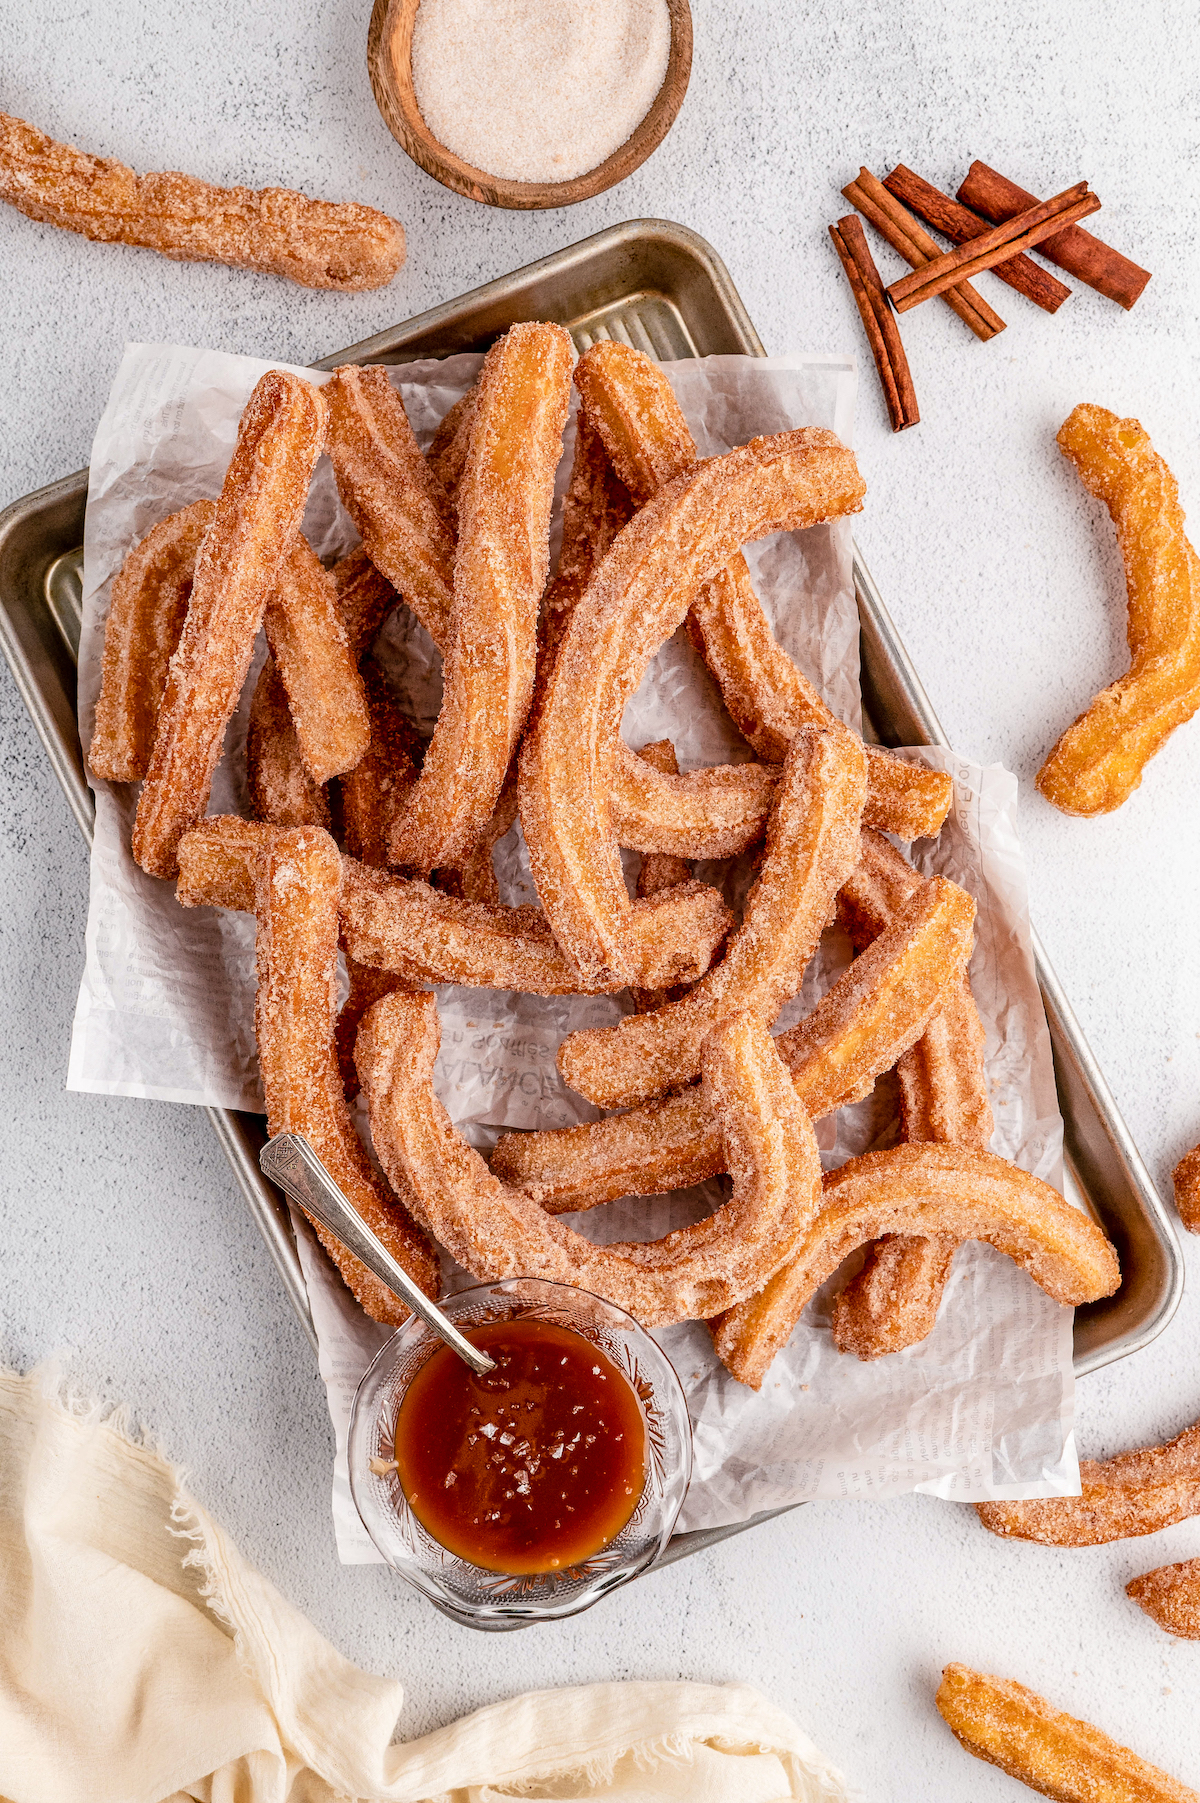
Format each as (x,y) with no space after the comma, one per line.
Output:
(661,288)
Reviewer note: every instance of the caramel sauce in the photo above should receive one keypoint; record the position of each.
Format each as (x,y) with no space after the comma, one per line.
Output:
(532,1467)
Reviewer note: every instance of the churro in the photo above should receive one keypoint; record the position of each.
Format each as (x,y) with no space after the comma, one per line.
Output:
(1170,1596)
(282,793)
(447,454)
(812,846)
(637,598)
(497,1232)
(145,618)
(256,518)
(425,935)
(708,813)
(365,599)
(391,495)
(1187,1189)
(875,1009)
(303,626)
(1135,1493)
(648,443)
(217,861)
(297,876)
(378,787)
(659,871)
(1100,760)
(367,987)
(894,1300)
(1002,1722)
(475,878)
(500,569)
(950,1190)
(317,243)
(596,506)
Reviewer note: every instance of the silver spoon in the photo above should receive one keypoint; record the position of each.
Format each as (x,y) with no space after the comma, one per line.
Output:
(290,1161)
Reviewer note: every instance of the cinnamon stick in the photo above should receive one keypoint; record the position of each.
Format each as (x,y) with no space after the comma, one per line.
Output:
(1074,250)
(883,334)
(984,252)
(959,224)
(902,232)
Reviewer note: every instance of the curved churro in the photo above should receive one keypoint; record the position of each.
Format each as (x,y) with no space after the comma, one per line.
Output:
(497,1232)
(297,875)
(1187,1189)
(282,793)
(145,618)
(1099,761)
(881,1004)
(812,846)
(1170,1596)
(499,572)
(1002,1722)
(257,516)
(950,1190)
(475,878)
(217,862)
(390,493)
(318,243)
(637,598)
(403,925)
(308,641)
(707,813)
(1135,1493)
(635,412)
(894,1300)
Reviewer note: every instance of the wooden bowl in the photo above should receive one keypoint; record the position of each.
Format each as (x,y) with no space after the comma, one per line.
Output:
(389,64)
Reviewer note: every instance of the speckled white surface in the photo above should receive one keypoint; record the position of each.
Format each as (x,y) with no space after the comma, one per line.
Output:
(126,1246)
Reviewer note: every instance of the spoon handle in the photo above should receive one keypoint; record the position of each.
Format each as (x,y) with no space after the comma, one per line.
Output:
(290,1161)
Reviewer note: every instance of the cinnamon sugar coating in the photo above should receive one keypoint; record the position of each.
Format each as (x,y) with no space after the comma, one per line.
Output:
(500,569)
(1187,1189)
(297,877)
(497,1232)
(256,519)
(217,862)
(1057,1755)
(282,793)
(628,398)
(319,673)
(447,454)
(1135,1493)
(1171,1597)
(317,243)
(391,495)
(709,813)
(812,846)
(145,618)
(924,1190)
(378,787)
(1099,761)
(365,599)
(882,1003)
(635,601)
(659,871)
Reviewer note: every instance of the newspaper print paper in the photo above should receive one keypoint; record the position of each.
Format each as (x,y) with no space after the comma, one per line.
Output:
(982,1408)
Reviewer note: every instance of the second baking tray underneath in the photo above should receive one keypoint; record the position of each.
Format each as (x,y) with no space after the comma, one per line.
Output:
(661,288)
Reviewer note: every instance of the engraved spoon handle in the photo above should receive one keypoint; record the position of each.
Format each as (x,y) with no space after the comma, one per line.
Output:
(290,1161)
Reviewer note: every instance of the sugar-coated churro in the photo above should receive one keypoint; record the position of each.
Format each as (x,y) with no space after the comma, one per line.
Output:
(1170,1596)
(367,987)
(378,787)
(812,846)
(365,599)
(648,442)
(256,518)
(894,1300)
(217,861)
(924,1190)
(308,641)
(1187,1189)
(403,925)
(317,243)
(659,871)
(490,654)
(1099,761)
(297,876)
(497,1232)
(1135,1493)
(875,1009)
(637,598)
(596,506)
(1002,1722)
(475,878)
(707,813)
(282,793)
(447,454)
(391,495)
(145,618)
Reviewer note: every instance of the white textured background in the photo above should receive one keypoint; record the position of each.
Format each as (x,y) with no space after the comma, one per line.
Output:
(126,1245)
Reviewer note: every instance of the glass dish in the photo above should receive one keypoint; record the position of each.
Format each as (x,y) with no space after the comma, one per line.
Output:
(491,1600)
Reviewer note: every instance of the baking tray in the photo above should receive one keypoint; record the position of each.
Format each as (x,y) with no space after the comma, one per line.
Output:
(659,287)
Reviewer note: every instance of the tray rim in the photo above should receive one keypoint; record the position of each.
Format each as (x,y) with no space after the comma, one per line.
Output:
(236,1132)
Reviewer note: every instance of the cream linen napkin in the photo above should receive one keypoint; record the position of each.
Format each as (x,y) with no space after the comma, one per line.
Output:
(143,1661)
